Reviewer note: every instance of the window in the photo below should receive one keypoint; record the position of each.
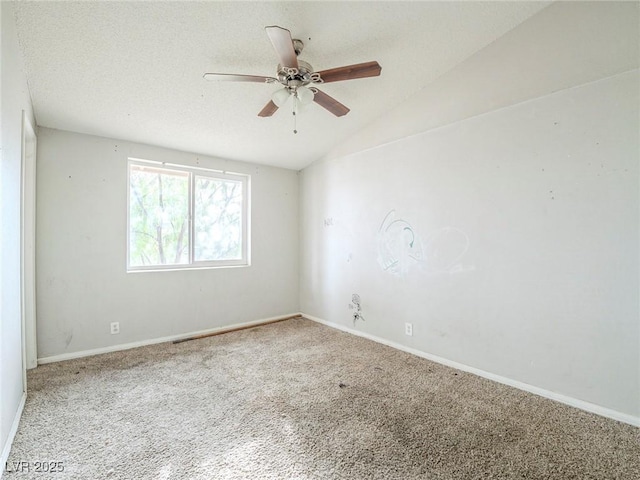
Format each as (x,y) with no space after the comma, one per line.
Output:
(182,217)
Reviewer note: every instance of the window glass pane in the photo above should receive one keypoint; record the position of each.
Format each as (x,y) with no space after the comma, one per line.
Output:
(158,216)
(217,219)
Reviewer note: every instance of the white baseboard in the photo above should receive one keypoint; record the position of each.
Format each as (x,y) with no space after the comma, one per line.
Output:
(558,397)
(142,343)
(12,433)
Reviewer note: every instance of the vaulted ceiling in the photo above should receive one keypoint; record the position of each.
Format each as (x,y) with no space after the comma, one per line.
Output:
(133,70)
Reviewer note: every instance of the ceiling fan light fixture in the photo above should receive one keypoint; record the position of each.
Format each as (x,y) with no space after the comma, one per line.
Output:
(304,95)
(281,96)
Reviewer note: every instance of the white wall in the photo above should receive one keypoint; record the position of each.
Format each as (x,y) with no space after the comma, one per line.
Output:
(524,223)
(15,99)
(82,284)
(566,44)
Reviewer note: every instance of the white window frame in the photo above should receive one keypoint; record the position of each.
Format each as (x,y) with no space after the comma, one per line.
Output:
(193,172)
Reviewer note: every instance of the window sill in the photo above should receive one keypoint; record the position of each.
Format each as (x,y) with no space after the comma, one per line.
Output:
(182,268)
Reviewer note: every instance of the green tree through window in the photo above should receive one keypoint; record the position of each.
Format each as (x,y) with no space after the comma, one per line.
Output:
(218,215)
(161,203)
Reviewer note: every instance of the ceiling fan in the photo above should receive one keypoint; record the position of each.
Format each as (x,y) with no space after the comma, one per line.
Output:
(296,76)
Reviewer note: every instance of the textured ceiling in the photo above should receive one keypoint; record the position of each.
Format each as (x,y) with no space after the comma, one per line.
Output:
(133,70)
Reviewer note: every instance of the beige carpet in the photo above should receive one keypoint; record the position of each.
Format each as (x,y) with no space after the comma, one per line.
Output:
(297,400)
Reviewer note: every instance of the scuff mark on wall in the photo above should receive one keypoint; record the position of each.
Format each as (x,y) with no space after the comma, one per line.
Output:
(445,249)
(399,247)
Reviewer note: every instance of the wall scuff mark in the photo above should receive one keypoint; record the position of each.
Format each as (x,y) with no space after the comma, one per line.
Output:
(401,249)
(398,245)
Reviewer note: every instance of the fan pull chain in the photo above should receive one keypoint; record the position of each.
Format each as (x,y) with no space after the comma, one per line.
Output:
(295,117)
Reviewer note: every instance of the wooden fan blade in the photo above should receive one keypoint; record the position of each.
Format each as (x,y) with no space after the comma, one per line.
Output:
(268,110)
(283,44)
(329,103)
(350,72)
(230,77)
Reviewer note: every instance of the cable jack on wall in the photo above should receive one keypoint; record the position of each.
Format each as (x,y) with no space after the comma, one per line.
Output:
(355,305)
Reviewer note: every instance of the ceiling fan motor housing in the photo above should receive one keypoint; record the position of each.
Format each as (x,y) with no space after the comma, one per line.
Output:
(298,77)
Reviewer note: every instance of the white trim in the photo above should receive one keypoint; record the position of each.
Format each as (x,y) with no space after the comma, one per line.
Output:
(171,338)
(558,397)
(28,246)
(12,434)
(184,165)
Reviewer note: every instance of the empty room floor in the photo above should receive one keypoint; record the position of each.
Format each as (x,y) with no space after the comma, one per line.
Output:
(299,400)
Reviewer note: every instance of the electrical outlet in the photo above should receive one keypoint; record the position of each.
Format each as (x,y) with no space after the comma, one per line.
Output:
(115,328)
(408,329)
